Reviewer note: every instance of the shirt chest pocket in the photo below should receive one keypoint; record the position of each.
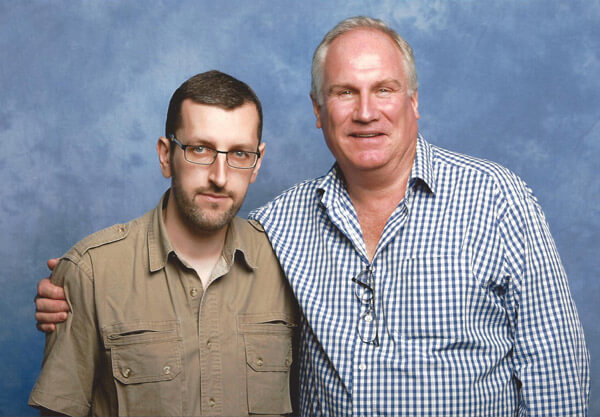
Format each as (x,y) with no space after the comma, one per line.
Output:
(430,299)
(268,348)
(146,362)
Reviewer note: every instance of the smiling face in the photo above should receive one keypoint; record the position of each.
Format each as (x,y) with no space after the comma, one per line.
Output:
(368,119)
(207,197)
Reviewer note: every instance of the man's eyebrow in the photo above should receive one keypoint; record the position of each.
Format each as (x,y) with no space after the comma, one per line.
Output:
(386,81)
(199,141)
(340,87)
(389,81)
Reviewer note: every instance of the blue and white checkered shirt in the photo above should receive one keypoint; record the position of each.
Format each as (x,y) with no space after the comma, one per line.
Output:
(472,309)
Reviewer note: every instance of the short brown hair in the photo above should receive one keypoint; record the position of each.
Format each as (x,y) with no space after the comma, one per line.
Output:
(213,88)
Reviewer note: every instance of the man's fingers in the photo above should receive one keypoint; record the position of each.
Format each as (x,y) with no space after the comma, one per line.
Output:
(50,318)
(52,263)
(47,305)
(48,290)
(46,328)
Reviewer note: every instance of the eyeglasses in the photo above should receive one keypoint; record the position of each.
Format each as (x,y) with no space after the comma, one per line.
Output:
(204,155)
(367,321)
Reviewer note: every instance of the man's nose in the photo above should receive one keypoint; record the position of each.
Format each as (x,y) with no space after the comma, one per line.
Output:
(366,109)
(218,171)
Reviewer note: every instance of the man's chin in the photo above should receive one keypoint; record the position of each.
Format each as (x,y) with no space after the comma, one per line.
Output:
(213,222)
(212,225)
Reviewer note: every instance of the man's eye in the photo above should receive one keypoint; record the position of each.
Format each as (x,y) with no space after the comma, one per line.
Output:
(200,149)
(241,154)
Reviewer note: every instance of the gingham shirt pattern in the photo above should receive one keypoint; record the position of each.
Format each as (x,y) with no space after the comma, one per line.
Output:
(470,297)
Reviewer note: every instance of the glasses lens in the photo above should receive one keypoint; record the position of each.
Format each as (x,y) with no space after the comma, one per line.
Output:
(363,290)
(200,155)
(241,159)
(367,326)
(367,321)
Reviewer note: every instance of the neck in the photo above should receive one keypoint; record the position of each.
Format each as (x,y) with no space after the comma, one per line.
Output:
(375,194)
(201,249)
(386,183)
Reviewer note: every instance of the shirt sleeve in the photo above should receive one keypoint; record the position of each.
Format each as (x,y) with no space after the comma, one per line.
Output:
(551,361)
(65,384)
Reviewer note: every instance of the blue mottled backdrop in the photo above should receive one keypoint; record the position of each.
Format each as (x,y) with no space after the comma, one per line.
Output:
(85,87)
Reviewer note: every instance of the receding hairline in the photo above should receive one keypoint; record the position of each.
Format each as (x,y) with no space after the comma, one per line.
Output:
(350,25)
(405,83)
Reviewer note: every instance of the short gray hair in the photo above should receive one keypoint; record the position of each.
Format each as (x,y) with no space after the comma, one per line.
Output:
(347,25)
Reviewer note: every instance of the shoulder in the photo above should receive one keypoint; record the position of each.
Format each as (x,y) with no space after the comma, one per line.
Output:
(254,242)
(75,264)
(252,233)
(299,195)
(454,165)
(117,234)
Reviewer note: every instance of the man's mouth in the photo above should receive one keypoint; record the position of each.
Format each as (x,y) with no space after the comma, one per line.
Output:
(365,135)
(212,196)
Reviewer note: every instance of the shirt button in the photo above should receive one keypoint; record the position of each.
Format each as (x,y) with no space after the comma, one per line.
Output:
(167,370)
(212,402)
(209,345)
(362,366)
(259,362)
(368,318)
(193,292)
(126,372)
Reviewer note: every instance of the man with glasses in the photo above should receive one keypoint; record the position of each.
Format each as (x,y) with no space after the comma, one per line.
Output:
(184,311)
(428,280)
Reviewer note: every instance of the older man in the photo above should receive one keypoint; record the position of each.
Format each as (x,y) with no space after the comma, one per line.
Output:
(428,280)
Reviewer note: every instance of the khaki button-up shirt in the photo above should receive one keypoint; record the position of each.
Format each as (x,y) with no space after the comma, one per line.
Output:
(145,338)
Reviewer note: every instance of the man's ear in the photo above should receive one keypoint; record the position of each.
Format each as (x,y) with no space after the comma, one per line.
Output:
(261,150)
(163,148)
(316,110)
(414,100)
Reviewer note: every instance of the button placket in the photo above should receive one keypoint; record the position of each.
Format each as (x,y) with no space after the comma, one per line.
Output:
(210,362)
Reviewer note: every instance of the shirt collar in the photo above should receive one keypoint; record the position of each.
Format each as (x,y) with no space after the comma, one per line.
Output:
(237,245)
(332,184)
(160,247)
(422,170)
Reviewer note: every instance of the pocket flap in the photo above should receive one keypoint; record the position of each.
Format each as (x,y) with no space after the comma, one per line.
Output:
(276,322)
(268,352)
(144,351)
(139,331)
(146,362)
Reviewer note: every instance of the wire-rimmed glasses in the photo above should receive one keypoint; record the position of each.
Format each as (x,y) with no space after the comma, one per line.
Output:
(367,321)
(205,155)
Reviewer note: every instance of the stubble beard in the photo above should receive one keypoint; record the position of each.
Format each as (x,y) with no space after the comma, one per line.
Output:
(194,217)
